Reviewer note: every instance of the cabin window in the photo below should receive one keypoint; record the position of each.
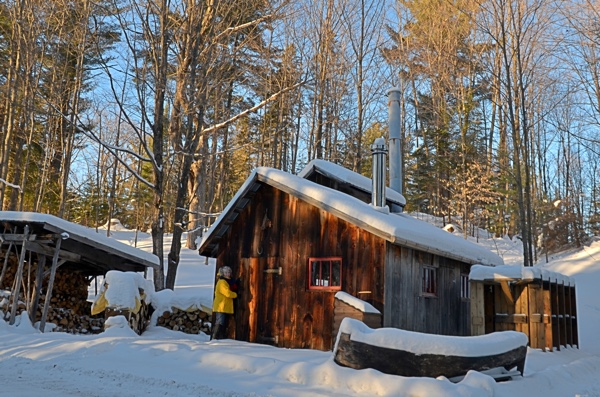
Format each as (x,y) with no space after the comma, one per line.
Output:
(325,274)
(429,281)
(465,289)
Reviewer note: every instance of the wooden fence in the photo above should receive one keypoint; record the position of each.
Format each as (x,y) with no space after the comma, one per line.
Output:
(541,304)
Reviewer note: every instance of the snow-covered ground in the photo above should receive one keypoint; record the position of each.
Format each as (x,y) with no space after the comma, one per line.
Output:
(167,363)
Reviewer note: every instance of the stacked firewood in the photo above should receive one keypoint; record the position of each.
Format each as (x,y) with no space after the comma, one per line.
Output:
(65,320)
(69,291)
(190,322)
(69,309)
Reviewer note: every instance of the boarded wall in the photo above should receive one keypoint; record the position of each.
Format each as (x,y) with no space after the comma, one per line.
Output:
(406,306)
(543,309)
(281,231)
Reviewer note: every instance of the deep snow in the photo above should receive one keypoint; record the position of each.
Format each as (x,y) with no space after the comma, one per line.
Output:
(167,363)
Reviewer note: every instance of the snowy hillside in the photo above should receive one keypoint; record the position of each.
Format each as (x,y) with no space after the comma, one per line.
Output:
(167,363)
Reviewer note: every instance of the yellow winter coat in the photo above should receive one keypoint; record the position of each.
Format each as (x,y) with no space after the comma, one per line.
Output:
(224,297)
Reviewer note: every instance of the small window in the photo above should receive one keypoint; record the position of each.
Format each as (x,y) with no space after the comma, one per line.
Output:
(465,289)
(429,281)
(325,274)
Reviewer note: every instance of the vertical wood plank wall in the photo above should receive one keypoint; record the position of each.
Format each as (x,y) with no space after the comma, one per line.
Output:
(477,309)
(545,310)
(279,230)
(406,307)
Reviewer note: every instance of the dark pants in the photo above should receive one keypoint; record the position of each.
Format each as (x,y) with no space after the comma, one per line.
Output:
(220,328)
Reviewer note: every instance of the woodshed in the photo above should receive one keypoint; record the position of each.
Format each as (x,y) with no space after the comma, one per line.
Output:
(540,303)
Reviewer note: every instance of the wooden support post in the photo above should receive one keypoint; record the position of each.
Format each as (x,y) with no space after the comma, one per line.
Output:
(50,284)
(574,317)
(562,313)
(477,308)
(38,287)
(568,314)
(547,312)
(507,292)
(5,265)
(18,278)
(556,337)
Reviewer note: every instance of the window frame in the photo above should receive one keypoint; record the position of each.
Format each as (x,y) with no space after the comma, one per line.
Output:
(328,287)
(429,281)
(465,286)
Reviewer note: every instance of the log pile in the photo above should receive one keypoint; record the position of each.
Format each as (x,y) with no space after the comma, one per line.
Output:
(69,309)
(190,322)
(70,289)
(139,321)
(66,320)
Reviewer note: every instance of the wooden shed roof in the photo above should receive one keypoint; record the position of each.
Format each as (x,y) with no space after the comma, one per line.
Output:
(518,273)
(82,249)
(400,229)
(350,178)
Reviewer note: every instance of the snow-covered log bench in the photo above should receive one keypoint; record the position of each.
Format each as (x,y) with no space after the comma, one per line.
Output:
(399,352)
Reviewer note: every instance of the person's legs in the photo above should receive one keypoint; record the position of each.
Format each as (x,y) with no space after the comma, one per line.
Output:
(220,328)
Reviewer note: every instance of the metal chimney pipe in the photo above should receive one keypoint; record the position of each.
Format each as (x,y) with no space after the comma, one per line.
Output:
(379,151)
(396,159)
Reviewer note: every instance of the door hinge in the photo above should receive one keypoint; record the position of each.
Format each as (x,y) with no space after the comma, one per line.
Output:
(269,339)
(274,271)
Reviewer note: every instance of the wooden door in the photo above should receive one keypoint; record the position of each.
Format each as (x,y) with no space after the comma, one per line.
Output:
(268,328)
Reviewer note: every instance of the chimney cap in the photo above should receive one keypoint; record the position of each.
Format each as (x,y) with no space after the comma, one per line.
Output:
(379,145)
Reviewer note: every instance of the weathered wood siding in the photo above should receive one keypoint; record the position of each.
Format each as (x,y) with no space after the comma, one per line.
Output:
(544,310)
(279,230)
(406,307)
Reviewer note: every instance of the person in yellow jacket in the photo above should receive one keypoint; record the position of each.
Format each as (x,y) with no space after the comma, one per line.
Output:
(223,303)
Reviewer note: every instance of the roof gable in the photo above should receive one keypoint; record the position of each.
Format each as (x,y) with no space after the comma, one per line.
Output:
(400,229)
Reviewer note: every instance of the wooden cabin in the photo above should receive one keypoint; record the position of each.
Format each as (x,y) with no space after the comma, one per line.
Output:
(540,303)
(295,242)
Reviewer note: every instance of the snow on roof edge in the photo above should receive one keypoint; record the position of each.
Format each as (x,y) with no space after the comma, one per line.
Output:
(410,231)
(525,273)
(240,193)
(355,302)
(78,230)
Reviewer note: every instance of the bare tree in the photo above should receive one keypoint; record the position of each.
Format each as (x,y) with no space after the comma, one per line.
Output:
(517,29)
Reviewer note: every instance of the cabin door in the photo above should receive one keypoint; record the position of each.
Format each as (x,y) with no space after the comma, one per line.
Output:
(268,329)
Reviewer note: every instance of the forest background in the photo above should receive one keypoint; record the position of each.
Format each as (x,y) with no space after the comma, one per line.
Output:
(155,112)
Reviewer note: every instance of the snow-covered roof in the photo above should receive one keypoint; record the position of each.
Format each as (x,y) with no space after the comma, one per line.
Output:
(357,180)
(517,273)
(359,304)
(97,251)
(400,229)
